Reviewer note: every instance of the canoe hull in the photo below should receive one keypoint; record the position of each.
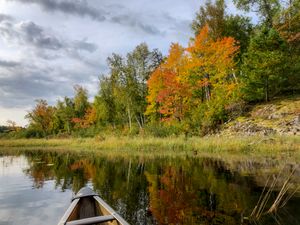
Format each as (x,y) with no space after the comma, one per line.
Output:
(88,208)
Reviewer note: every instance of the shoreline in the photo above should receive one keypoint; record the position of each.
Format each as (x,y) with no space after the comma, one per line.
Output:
(249,146)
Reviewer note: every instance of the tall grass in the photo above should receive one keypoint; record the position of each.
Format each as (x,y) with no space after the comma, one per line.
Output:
(286,192)
(171,146)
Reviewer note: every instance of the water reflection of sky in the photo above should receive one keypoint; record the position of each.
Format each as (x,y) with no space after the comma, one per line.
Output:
(20,203)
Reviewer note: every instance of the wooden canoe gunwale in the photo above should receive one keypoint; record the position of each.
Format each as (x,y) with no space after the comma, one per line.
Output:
(69,212)
(110,210)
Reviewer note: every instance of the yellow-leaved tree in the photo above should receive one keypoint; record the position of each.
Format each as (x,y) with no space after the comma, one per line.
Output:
(197,82)
(168,95)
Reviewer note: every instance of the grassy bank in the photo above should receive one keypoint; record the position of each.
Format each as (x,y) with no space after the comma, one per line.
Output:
(171,146)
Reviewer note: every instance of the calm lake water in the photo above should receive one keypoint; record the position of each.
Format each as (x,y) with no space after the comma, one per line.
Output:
(36,188)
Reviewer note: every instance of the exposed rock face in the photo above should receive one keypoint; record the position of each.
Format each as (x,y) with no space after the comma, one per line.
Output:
(291,127)
(265,112)
(250,128)
(281,117)
(297,120)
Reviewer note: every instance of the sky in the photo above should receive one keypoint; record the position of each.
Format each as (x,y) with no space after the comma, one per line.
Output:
(48,46)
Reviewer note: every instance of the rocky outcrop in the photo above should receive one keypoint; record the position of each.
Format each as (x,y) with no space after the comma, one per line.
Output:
(278,117)
(290,127)
(250,128)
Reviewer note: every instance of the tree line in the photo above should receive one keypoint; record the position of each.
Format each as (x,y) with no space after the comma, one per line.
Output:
(228,63)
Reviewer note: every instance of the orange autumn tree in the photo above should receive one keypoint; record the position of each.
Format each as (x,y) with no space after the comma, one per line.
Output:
(211,69)
(41,117)
(211,64)
(198,77)
(168,96)
(89,119)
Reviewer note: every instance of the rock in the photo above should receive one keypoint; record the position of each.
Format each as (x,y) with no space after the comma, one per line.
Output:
(250,128)
(264,112)
(266,119)
(297,120)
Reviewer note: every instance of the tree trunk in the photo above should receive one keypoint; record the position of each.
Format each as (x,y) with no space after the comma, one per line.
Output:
(142,120)
(129,118)
(68,127)
(202,94)
(235,78)
(267,98)
(207,92)
(128,172)
(269,16)
(138,122)
(207,88)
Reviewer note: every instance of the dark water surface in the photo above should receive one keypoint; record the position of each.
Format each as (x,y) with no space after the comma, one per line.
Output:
(36,188)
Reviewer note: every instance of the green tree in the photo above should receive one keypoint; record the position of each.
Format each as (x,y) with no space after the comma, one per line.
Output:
(111,94)
(105,103)
(221,24)
(267,9)
(288,25)
(263,70)
(81,103)
(65,112)
(240,28)
(140,64)
(122,95)
(212,15)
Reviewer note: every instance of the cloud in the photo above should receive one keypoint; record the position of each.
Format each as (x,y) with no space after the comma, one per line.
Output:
(85,45)
(22,85)
(32,78)
(21,90)
(5,17)
(83,9)
(29,34)
(8,64)
(29,79)
(133,21)
(74,7)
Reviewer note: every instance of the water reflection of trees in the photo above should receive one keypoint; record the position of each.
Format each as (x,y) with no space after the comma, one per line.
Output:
(195,193)
(164,191)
